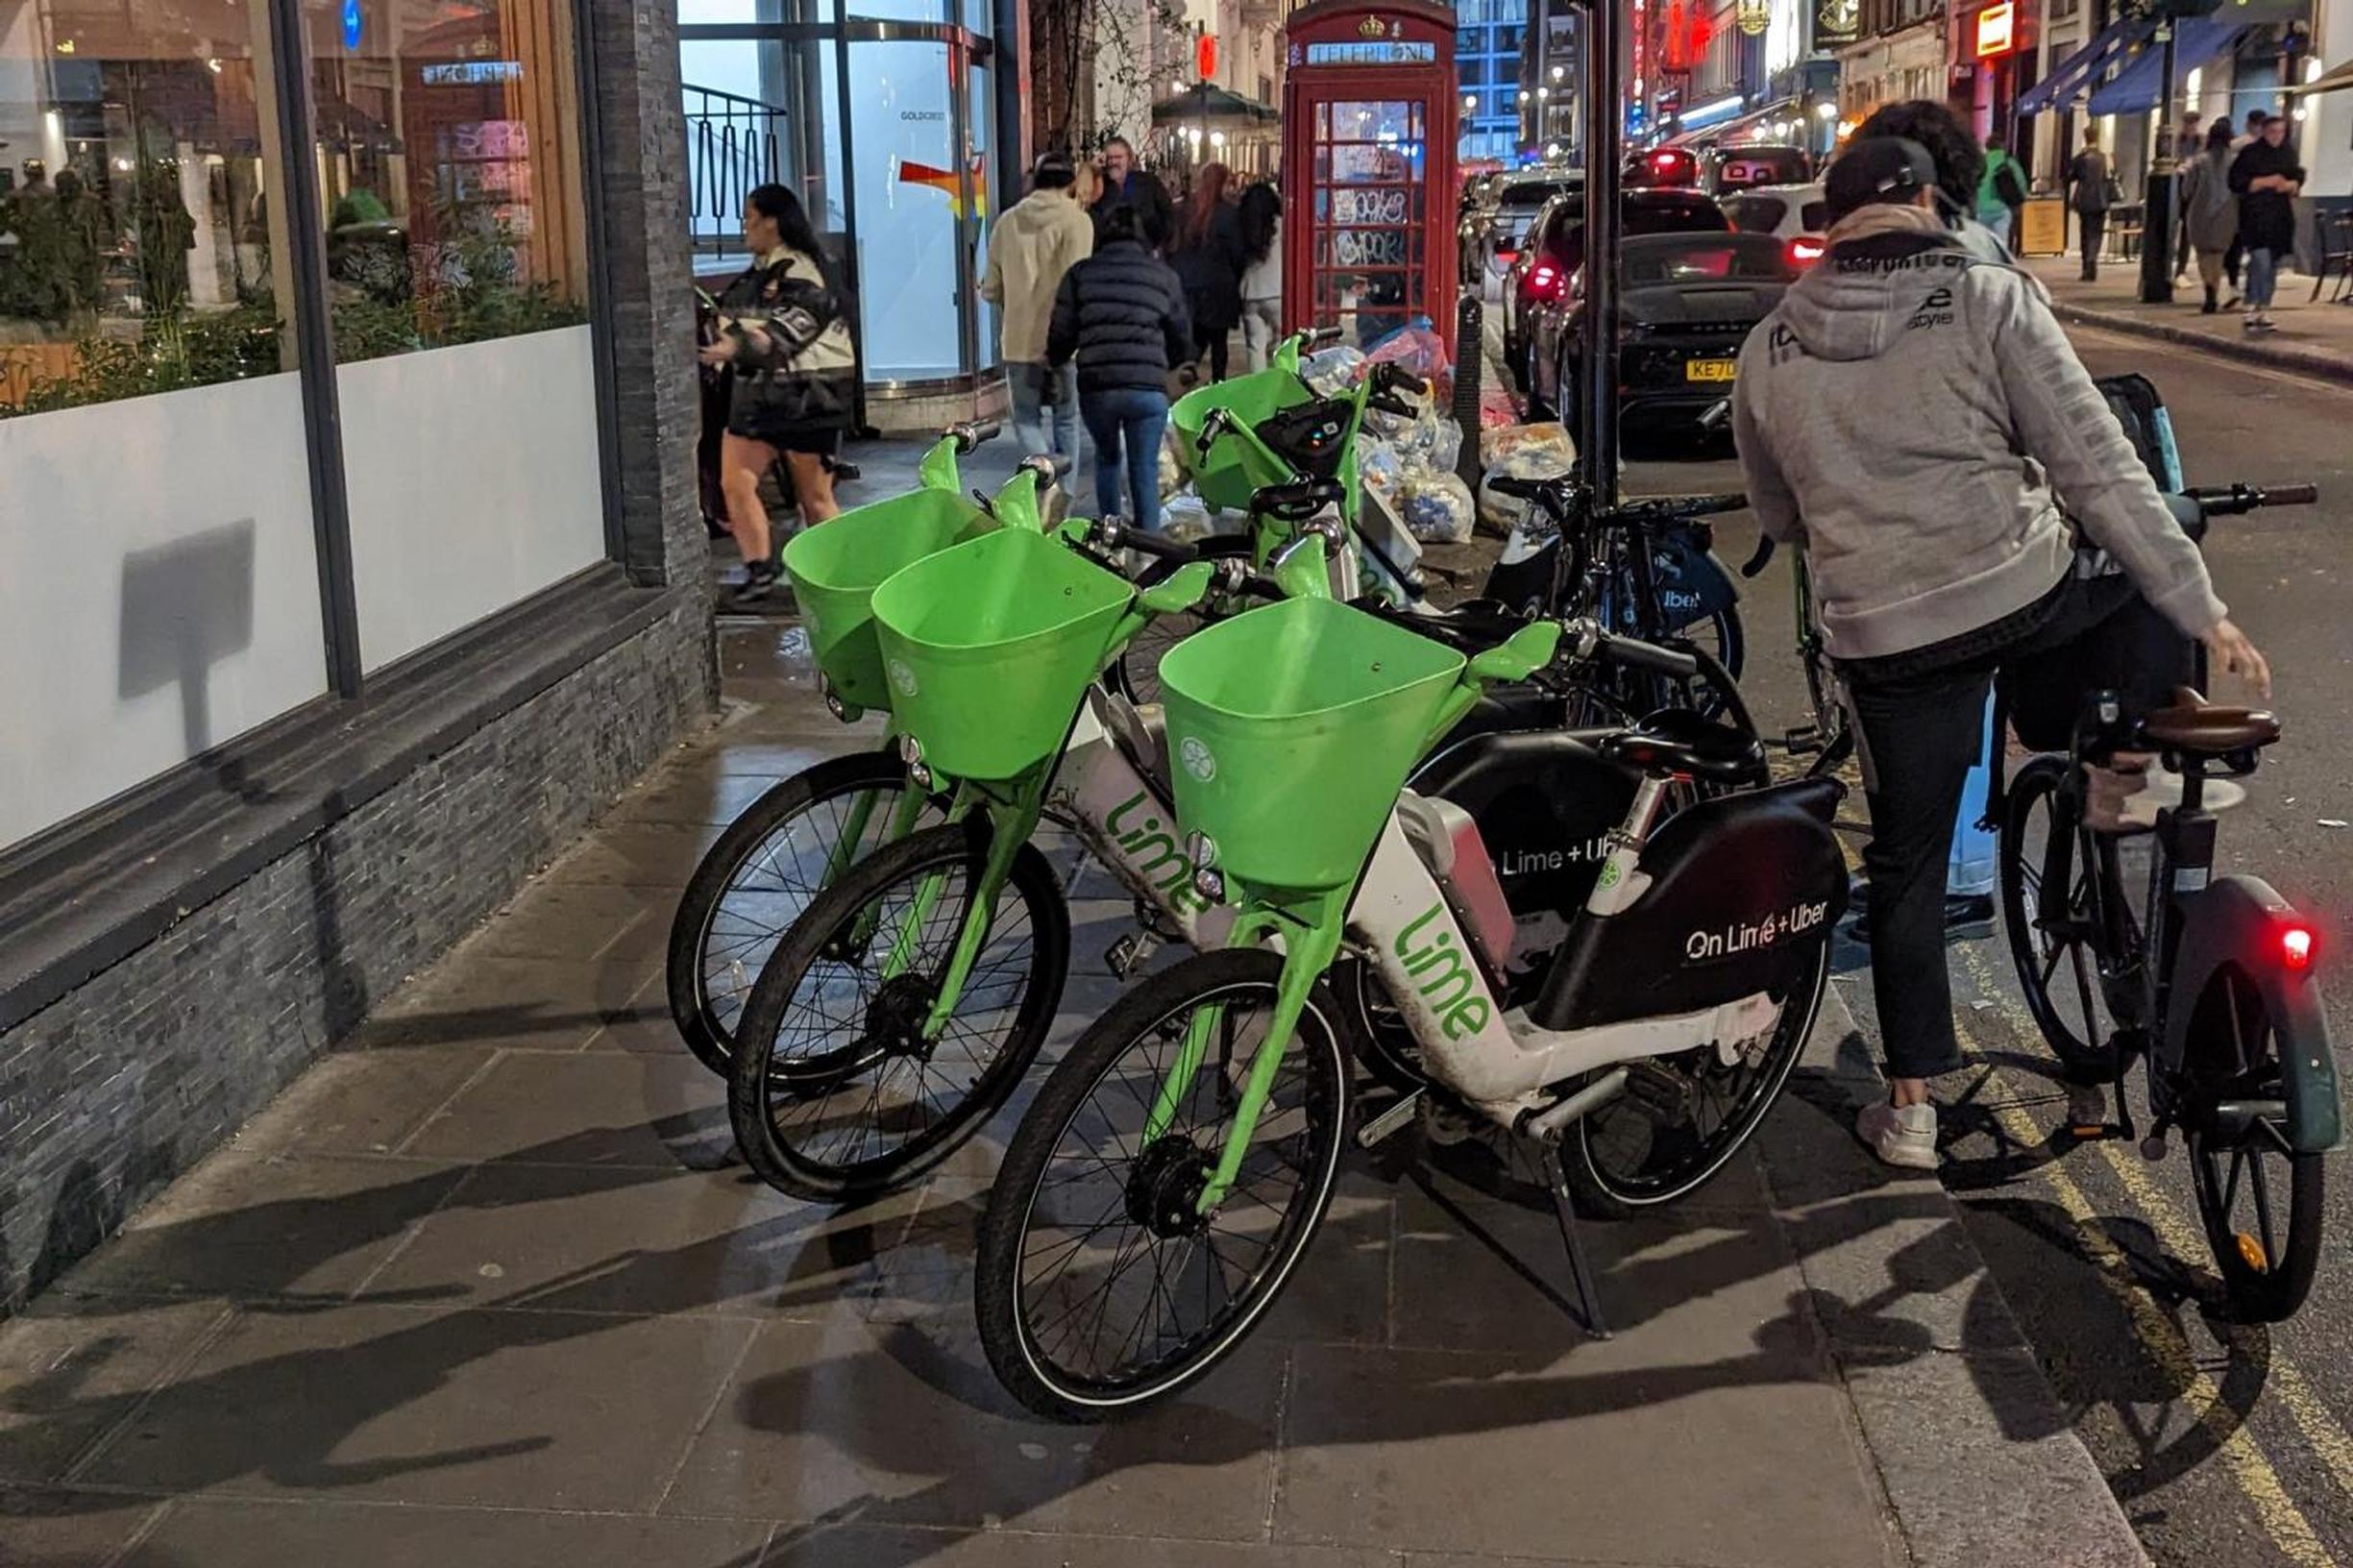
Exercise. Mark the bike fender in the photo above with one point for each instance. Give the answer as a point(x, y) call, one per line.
point(1692, 580)
point(2237, 920)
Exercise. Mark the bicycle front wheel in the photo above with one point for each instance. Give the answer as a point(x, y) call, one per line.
point(838, 1092)
point(759, 877)
point(2260, 1201)
point(1101, 1287)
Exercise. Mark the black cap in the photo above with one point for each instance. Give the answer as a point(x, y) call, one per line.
point(1052, 163)
point(1877, 169)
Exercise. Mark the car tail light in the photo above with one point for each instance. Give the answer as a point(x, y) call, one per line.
point(1662, 161)
point(1546, 281)
point(1805, 249)
point(2295, 946)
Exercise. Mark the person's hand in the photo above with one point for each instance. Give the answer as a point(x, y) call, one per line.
point(717, 355)
point(2227, 648)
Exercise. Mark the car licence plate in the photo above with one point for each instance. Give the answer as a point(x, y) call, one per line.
point(1708, 369)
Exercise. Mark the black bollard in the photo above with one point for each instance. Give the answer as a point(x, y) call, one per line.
point(1470, 361)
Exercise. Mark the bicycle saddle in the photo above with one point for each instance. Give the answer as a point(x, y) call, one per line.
point(2196, 725)
point(1677, 741)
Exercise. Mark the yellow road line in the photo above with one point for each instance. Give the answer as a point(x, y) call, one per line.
point(2186, 1239)
point(2250, 1467)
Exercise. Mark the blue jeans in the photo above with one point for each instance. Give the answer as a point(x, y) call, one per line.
point(1127, 421)
point(2262, 276)
point(1037, 429)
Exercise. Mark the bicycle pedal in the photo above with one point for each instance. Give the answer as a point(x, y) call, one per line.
point(1389, 1120)
point(1130, 953)
point(1804, 742)
point(2097, 1131)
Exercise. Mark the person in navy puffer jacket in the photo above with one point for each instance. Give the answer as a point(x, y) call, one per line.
point(1121, 312)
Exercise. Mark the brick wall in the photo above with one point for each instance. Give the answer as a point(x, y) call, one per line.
point(108, 1093)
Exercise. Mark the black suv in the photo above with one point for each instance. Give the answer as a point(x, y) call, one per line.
point(1539, 291)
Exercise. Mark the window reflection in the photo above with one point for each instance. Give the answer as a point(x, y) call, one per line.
point(449, 167)
point(137, 240)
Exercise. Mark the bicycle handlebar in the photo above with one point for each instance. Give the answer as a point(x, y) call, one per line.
point(1641, 655)
point(2230, 500)
point(972, 433)
point(1756, 563)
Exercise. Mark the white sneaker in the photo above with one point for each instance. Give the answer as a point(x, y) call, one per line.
point(1899, 1136)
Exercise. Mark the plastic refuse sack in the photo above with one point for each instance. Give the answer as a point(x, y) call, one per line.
point(1171, 466)
point(1418, 346)
point(1379, 466)
point(1446, 446)
point(1437, 510)
point(1330, 372)
point(1500, 442)
point(1187, 520)
point(1535, 461)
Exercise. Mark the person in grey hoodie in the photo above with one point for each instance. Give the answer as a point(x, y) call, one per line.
point(1914, 416)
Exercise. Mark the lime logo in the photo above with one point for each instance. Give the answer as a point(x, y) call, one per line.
point(1195, 754)
point(902, 678)
point(1443, 976)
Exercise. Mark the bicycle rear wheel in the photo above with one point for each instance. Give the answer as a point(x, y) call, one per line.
point(835, 1093)
point(2050, 907)
point(1100, 1287)
point(759, 877)
point(2260, 1201)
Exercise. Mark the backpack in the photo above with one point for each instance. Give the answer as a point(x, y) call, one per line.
point(2007, 187)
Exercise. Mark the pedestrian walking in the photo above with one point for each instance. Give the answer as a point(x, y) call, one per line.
point(2209, 210)
point(784, 330)
point(1128, 184)
point(2234, 261)
point(1121, 314)
point(1209, 257)
point(1939, 538)
point(2001, 192)
point(2087, 181)
point(1261, 224)
point(2267, 178)
point(2193, 140)
point(1041, 237)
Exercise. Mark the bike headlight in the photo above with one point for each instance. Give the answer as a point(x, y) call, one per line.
point(911, 752)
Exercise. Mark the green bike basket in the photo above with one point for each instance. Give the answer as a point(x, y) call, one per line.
point(1291, 728)
point(836, 567)
point(989, 649)
point(1234, 469)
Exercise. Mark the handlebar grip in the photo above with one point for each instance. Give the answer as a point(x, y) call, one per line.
point(2292, 494)
point(1516, 487)
point(1322, 337)
point(1390, 377)
point(1397, 407)
point(1729, 501)
point(1756, 563)
point(1640, 655)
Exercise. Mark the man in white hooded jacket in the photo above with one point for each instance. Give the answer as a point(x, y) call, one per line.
point(1912, 413)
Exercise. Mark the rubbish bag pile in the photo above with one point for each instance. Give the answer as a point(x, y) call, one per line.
point(1524, 452)
point(1408, 462)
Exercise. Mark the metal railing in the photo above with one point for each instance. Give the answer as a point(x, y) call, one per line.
point(733, 143)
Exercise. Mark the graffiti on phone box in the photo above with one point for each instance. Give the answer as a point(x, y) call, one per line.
point(1753, 934)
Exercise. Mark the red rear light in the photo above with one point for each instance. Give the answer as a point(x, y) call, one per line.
point(2296, 945)
point(1546, 280)
point(1805, 249)
point(1662, 161)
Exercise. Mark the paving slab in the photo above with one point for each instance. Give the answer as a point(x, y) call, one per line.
point(585, 1108)
point(211, 1533)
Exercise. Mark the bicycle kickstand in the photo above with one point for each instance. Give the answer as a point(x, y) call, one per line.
point(1588, 1298)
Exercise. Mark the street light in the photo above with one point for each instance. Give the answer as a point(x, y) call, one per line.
point(1558, 71)
point(1826, 109)
point(2157, 197)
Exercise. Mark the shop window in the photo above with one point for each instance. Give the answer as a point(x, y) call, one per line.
point(160, 595)
point(448, 155)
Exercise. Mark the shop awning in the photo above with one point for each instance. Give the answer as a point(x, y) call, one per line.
point(1204, 103)
point(1744, 129)
point(2336, 77)
point(2139, 86)
point(2068, 77)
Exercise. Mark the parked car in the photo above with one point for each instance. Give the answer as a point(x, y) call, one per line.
point(1742, 168)
point(1555, 253)
point(1504, 229)
point(1687, 303)
point(1718, 170)
point(1797, 215)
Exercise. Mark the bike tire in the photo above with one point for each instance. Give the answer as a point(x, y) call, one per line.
point(1009, 1337)
point(706, 1015)
point(768, 1096)
point(1604, 1190)
point(1135, 673)
point(2024, 866)
point(2234, 1051)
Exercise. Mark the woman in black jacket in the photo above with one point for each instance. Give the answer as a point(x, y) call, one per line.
point(2266, 176)
point(785, 333)
point(1121, 312)
point(1210, 259)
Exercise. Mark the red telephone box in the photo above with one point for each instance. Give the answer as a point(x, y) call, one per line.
point(1368, 167)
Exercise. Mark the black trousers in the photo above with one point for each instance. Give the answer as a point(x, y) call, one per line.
point(1921, 722)
point(2092, 225)
point(1212, 341)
